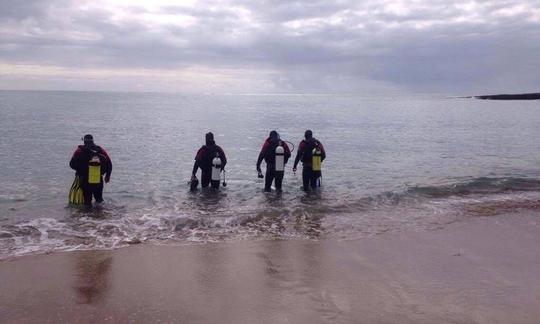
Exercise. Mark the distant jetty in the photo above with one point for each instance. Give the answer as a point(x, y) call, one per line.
point(521, 96)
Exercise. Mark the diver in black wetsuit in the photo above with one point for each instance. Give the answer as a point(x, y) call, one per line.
point(307, 149)
point(268, 153)
point(204, 158)
point(91, 162)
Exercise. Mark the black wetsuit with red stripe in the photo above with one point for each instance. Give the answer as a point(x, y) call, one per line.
point(310, 178)
point(203, 160)
point(79, 162)
point(268, 153)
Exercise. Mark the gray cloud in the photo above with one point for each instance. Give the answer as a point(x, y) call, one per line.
point(18, 10)
point(306, 45)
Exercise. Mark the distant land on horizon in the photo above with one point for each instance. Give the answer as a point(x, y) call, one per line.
point(519, 96)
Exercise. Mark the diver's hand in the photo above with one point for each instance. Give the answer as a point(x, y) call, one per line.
point(107, 178)
point(193, 177)
point(294, 170)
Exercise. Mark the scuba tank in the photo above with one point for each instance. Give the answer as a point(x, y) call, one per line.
point(316, 159)
point(280, 158)
point(94, 170)
point(216, 171)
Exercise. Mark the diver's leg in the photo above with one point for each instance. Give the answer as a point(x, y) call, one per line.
point(279, 180)
point(306, 175)
point(206, 176)
point(87, 194)
point(214, 184)
point(98, 192)
point(269, 177)
point(313, 179)
point(318, 178)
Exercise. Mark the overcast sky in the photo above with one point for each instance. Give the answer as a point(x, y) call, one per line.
point(252, 46)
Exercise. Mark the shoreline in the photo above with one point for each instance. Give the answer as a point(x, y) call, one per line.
point(483, 270)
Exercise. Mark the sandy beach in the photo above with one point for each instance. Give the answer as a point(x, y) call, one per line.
point(483, 270)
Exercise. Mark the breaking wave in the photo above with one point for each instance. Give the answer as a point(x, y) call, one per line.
point(481, 185)
point(207, 219)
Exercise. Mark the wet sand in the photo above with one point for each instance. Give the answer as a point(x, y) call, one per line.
point(483, 270)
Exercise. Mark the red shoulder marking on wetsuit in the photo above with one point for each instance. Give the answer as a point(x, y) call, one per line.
point(200, 153)
point(265, 146)
point(301, 146)
point(222, 153)
point(286, 147)
point(77, 151)
point(102, 151)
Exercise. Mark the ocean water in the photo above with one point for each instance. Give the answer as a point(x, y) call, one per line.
point(394, 163)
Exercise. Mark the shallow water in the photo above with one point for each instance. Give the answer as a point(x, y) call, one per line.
point(395, 162)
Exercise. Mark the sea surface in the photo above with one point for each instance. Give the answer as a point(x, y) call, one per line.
point(395, 162)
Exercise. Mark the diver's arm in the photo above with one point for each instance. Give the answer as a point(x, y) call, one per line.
point(74, 162)
point(298, 154)
point(198, 158)
point(195, 168)
point(222, 157)
point(323, 152)
point(287, 152)
point(261, 155)
point(108, 164)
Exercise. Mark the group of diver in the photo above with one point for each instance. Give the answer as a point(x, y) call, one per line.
point(93, 166)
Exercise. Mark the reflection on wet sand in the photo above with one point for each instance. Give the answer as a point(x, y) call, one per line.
point(451, 276)
point(92, 276)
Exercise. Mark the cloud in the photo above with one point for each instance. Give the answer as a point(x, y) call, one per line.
point(18, 10)
point(294, 46)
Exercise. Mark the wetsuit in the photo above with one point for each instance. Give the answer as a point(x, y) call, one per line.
point(203, 160)
point(79, 163)
point(268, 153)
point(310, 178)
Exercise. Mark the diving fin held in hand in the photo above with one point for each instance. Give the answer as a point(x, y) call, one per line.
point(76, 196)
point(193, 183)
